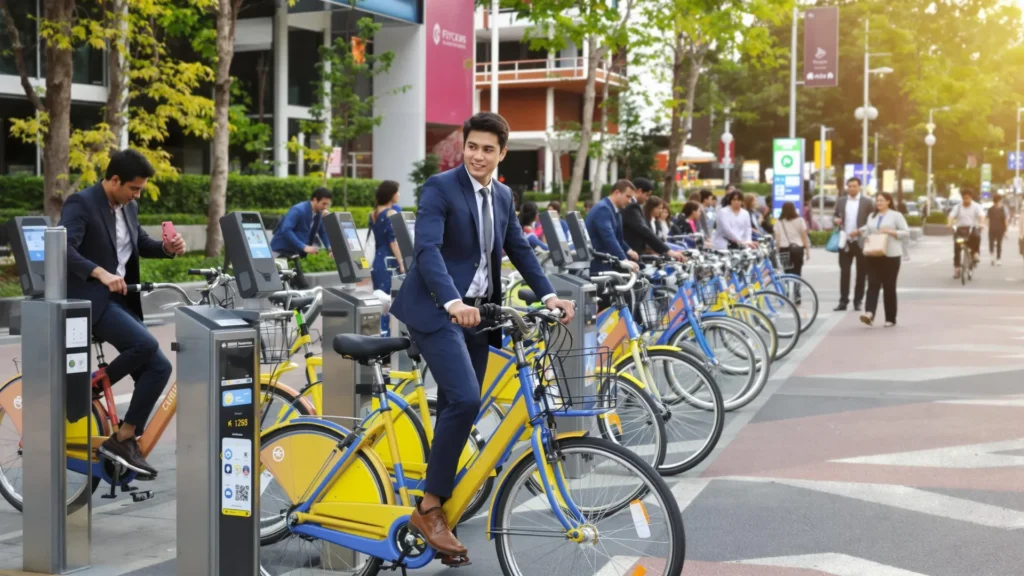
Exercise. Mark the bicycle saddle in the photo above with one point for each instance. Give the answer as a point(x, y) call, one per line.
point(527, 296)
point(296, 303)
point(365, 348)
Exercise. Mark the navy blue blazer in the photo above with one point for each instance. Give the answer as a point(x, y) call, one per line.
point(447, 250)
point(295, 231)
point(92, 242)
point(604, 225)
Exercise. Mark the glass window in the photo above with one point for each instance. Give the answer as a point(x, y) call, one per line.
point(23, 13)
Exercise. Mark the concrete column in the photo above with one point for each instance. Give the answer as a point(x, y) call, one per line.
point(476, 101)
point(549, 156)
point(401, 138)
point(328, 40)
point(300, 157)
point(495, 40)
point(614, 177)
point(280, 138)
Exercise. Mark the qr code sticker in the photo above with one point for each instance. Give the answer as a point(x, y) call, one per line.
point(241, 493)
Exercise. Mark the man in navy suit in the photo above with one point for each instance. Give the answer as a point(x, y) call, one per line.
point(105, 243)
point(465, 221)
point(604, 225)
point(297, 232)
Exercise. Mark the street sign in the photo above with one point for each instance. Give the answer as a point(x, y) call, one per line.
point(867, 179)
point(986, 181)
point(726, 158)
point(821, 47)
point(817, 154)
point(1014, 162)
point(787, 173)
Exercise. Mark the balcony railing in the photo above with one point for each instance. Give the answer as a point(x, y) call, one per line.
point(548, 69)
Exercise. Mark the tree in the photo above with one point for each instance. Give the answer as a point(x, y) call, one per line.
point(563, 138)
point(634, 147)
point(591, 24)
point(340, 111)
point(422, 170)
point(690, 30)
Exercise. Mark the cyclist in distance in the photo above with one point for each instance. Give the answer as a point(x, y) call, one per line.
point(965, 215)
point(105, 243)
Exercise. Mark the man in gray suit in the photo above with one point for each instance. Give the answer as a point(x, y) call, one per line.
point(851, 214)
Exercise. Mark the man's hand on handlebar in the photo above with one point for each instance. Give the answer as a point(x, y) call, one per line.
point(567, 307)
point(464, 315)
point(632, 255)
point(676, 255)
point(113, 282)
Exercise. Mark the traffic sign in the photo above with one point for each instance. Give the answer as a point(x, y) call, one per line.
point(1014, 162)
point(787, 173)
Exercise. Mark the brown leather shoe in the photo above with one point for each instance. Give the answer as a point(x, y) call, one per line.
point(433, 527)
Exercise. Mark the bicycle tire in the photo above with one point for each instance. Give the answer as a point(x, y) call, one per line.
point(271, 537)
point(287, 398)
point(654, 486)
point(804, 288)
point(788, 339)
point(756, 318)
point(763, 364)
point(7, 485)
point(652, 419)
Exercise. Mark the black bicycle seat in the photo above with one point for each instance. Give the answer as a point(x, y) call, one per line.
point(363, 349)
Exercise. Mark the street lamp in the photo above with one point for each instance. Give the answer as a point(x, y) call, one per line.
point(868, 112)
point(929, 141)
point(726, 156)
point(1016, 161)
point(821, 173)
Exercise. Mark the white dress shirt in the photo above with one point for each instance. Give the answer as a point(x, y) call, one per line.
point(124, 240)
point(852, 211)
point(481, 280)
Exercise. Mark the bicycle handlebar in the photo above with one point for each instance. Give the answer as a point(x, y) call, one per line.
point(629, 279)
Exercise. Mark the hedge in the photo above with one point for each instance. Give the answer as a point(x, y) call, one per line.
point(914, 221)
point(188, 194)
point(938, 217)
point(819, 237)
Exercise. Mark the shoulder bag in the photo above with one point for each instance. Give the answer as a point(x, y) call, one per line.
point(794, 250)
point(877, 243)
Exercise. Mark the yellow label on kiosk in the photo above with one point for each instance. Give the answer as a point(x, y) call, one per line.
point(363, 263)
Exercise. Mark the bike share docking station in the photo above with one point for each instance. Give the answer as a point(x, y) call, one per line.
point(219, 467)
point(404, 225)
point(579, 368)
point(52, 412)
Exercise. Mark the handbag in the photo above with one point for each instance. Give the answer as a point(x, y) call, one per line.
point(793, 251)
point(833, 241)
point(877, 244)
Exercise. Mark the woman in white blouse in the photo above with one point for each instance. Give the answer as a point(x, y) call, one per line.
point(883, 269)
point(732, 224)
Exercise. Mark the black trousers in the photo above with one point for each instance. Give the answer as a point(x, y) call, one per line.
point(853, 252)
point(995, 242)
point(973, 242)
point(882, 274)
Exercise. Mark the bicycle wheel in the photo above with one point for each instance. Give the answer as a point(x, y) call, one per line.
point(635, 423)
point(784, 316)
point(693, 419)
point(725, 336)
point(645, 536)
point(317, 449)
point(761, 323)
point(803, 295)
point(11, 480)
point(279, 405)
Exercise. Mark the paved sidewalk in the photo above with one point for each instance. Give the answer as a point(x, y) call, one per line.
point(876, 452)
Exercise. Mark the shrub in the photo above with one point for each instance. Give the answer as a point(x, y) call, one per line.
point(914, 221)
point(938, 217)
point(820, 237)
point(21, 193)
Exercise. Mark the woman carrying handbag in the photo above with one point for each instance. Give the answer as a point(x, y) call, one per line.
point(792, 240)
point(883, 250)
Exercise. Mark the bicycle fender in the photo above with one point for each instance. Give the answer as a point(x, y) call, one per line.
point(496, 495)
point(629, 358)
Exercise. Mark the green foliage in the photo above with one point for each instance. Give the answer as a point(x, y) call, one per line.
point(914, 221)
point(422, 170)
point(938, 217)
point(250, 134)
point(819, 237)
point(21, 192)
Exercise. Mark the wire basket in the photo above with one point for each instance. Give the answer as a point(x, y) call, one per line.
point(576, 382)
point(277, 336)
point(707, 292)
point(781, 260)
point(652, 314)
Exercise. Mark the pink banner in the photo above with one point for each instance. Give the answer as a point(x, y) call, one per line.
point(449, 61)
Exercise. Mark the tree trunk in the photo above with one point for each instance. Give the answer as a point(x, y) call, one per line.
point(899, 173)
point(675, 138)
point(576, 185)
point(680, 137)
point(227, 14)
point(56, 148)
point(117, 64)
point(598, 183)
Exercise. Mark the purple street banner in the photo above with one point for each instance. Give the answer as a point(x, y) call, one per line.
point(821, 47)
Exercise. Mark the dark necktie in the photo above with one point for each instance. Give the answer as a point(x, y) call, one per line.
point(313, 229)
point(488, 226)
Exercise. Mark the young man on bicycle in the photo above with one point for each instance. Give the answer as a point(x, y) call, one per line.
point(466, 220)
point(105, 243)
point(965, 216)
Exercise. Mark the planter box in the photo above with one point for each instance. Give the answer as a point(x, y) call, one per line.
point(937, 230)
point(916, 233)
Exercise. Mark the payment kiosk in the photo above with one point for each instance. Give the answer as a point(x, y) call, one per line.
point(348, 309)
point(27, 245)
point(404, 225)
point(217, 356)
point(54, 404)
point(583, 327)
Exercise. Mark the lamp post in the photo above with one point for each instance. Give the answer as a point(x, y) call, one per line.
point(821, 173)
point(1016, 160)
point(929, 141)
point(726, 156)
point(868, 112)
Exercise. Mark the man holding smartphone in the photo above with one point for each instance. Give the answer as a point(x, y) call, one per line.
point(105, 243)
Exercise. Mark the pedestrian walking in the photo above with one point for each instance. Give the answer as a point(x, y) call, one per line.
point(850, 215)
point(998, 224)
point(793, 240)
point(883, 252)
point(386, 245)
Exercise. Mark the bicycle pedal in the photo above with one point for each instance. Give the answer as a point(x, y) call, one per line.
point(455, 561)
point(142, 495)
point(128, 488)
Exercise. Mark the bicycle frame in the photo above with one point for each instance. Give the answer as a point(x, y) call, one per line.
point(373, 528)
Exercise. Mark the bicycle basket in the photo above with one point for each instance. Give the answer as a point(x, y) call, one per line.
point(563, 391)
point(277, 336)
point(707, 291)
point(782, 261)
point(652, 314)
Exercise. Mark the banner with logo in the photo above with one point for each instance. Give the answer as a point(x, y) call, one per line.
point(787, 173)
point(821, 47)
point(449, 61)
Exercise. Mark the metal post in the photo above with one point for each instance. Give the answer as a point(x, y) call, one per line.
point(928, 182)
point(821, 174)
point(1016, 166)
point(867, 57)
point(876, 154)
point(55, 397)
point(792, 77)
point(727, 156)
point(495, 41)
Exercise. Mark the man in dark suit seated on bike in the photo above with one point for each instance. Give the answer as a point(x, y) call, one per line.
point(105, 243)
point(465, 221)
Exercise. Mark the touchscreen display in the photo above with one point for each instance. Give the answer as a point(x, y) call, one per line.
point(34, 242)
point(256, 238)
point(351, 237)
point(558, 230)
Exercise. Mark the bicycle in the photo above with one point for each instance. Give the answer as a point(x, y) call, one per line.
point(967, 260)
point(339, 489)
